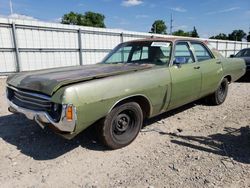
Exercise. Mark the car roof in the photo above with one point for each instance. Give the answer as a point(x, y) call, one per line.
point(168, 39)
point(245, 49)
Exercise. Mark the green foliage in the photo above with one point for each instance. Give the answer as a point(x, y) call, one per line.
point(159, 27)
point(194, 33)
point(181, 33)
point(248, 37)
point(221, 36)
point(71, 18)
point(91, 19)
point(236, 35)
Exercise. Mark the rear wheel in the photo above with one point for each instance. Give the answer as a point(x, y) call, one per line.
point(219, 96)
point(122, 125)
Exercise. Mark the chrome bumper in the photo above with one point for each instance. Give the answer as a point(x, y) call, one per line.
point(43, 118)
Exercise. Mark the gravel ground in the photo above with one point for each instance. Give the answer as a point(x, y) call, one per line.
point(193, 146)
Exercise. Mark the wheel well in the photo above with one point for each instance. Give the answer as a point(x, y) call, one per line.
point(229, 78)
point(142, 101)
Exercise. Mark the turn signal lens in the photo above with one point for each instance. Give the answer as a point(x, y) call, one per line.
point(69, 113)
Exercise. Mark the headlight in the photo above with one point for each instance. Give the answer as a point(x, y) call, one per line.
point(55, 111)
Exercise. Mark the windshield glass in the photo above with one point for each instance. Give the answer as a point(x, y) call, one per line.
point(149, 52)
point(243, 53)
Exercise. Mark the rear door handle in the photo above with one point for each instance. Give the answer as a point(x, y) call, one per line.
point(218, 62)
point(198, 67)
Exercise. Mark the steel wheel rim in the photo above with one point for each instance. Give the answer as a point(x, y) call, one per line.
point(124, 126)
point(222, 91)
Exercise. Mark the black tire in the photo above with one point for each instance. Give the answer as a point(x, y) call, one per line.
point(219, 96)
point(121, 126)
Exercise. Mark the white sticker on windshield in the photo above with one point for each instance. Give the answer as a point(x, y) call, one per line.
point(160, 44)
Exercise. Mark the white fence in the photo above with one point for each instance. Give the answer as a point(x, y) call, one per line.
point(30, 45)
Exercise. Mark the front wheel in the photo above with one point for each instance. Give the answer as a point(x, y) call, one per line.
point(219, 96)
point(121, 126)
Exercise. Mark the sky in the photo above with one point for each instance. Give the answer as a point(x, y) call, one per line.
point(210, 17)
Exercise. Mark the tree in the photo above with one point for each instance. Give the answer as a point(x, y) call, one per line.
point(71, 18)
point(91, 19)
point(237, 35)
point(94, 19)
point(248, 37)
point(221, 36)
point(159, 27)
point(181, 33)
point(194, 33)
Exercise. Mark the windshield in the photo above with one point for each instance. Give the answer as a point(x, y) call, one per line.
point(243, 53)
point(148, 52)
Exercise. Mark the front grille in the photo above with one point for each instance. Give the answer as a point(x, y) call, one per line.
point(29, 100)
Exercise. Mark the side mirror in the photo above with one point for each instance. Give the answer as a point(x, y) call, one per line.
point(179, 60)
point(231, 56)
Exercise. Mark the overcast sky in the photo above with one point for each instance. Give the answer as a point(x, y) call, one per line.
point(210, 17)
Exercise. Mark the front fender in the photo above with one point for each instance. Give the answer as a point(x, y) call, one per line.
point(94, 99)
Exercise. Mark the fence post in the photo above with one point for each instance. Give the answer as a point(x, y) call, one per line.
point(234, 47)
point(16, 47)
point(80, 46)
point(121, 38)
point(217, 45)
point(226, 49)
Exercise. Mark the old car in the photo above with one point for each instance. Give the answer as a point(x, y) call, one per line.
point(137, 80)
point(244, 54)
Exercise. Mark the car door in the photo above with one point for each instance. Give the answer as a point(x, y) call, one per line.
point(211, 68)
point(185, 74)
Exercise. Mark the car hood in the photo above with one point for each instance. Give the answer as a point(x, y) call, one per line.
point(49, 80)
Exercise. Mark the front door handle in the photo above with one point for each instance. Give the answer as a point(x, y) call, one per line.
point(218, 62)
point(198, 67)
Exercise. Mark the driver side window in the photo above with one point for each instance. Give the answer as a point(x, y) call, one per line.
point(183, 54)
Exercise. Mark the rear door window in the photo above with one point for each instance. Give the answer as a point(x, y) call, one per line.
point(201, 52)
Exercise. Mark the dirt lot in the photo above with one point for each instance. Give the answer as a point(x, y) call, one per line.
point(194, 146)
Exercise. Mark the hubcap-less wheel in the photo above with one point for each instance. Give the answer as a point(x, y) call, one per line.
point(222, 91)
point(122, 122)
point(122, 125)
point(219, 96)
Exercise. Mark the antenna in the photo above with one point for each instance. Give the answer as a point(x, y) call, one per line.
point(11, 7)
point(171, 24)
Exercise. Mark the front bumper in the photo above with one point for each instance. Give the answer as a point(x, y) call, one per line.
point(43, 118)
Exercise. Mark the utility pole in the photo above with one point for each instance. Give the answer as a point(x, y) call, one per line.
point(11, 7)
point(171, 24)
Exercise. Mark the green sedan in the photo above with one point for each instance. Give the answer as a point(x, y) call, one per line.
point(136, 80)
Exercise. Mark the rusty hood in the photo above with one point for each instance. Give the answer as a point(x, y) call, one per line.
point(50, 80)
